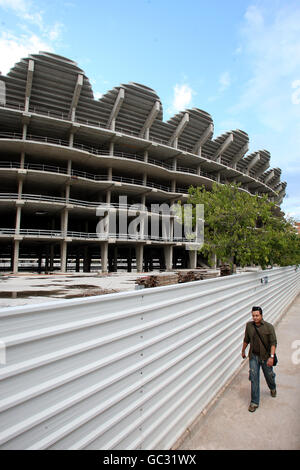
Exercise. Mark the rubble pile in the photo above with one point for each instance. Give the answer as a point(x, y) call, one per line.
point(158, 280)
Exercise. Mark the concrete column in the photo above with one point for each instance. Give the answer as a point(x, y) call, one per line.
point(67, 192)
point(63, 256)
point(16, 256)
point(139, 250)
point(74, 128)
point(22, 160)
point(109, 174)
point(20, 188)
point(111, 148)
point(64, 221)
point(142, 225)
point(24, 131)
point(174, 163)
point(145, 179)
point(18, 219)
point(69, 169)
point(104, 257)
point(108, 196)
point(71, 139)
point(199, 170)
point(192, 259)
point(168, 252)
point(173, 186)
point(146, 156)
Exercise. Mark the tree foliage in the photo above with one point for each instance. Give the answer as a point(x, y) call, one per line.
point(245, 229)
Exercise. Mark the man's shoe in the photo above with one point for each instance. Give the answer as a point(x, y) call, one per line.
point(252, 407)
point(273, 393)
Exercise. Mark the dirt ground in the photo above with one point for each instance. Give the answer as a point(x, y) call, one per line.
point(28, 288)
point(23, 289)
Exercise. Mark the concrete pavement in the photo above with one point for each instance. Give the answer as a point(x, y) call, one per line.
point(275, 425)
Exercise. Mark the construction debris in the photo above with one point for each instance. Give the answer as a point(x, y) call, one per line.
point(177, 277)
point(158, 280)
point(225, 269)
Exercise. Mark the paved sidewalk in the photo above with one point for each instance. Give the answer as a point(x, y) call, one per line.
point(276, 423)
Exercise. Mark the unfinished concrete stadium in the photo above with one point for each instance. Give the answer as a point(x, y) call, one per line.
point(64, 155)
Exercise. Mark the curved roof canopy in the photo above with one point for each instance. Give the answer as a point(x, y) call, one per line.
point(47, 82)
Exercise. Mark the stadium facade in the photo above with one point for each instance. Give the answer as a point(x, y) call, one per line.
point(64, 155)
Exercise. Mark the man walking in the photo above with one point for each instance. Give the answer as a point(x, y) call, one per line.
point(262, 338)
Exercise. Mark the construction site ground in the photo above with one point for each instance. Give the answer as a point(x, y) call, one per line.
point(28, 288)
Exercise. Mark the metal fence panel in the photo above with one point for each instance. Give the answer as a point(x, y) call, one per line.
point(129, 370)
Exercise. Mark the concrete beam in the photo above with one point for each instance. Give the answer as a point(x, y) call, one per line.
point(179, 129)
point(262, 169)
point(269, 177)
point(204, 137)
point(29, 83)
point(116, 108)
point(253, 162)
point(150, 120)
point(2, 93)
point(76, 95)
point(275, 182)
point(227, 142)
point(240, 154)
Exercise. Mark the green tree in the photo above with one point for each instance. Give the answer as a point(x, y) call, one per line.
point(245, 229)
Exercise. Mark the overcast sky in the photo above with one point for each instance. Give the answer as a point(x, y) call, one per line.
point(239, 60)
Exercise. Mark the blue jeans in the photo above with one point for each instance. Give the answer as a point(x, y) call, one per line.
point(254, 370)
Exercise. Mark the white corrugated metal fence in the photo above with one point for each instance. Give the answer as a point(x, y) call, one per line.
point(129, 370)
